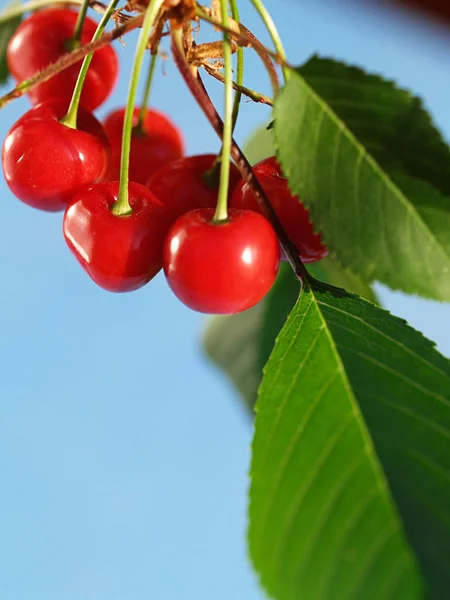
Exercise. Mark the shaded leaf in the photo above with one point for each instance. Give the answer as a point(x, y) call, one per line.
point(260, 145)
point(330, 271)
point(351, 470)
point(232, 343)
point(386, 224)
point(241, 344)
point(7, 29)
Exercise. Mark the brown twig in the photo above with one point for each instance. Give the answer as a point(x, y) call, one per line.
point(252, 94)
point(245, 37)
point(200, 94)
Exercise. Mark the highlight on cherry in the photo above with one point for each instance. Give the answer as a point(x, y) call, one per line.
point(133, 201)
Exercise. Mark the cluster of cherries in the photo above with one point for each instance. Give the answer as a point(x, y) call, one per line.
point(220, 267)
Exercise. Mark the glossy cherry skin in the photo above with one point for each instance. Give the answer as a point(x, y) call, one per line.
point(181, 187)
point(159, 143)
point(120, 253)
point(45, 162)
point(41, 39)
point(293, 215)
point(221, 268)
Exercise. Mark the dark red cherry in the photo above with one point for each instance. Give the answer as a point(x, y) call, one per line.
point(180, 185)
point(221, 268)
point(120, 253)
point(41, 39)
point(45, 162)
point(293, 215)
point(159, 143)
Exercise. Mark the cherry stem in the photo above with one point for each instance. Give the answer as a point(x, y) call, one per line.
point(273, 32)
point(70, 120)
point(122, 206)
point(147, 89)
point(221, 213)
point(239, 69)
point(245, 91)
point(75, 42)
point(211, 175)
point(69, 59)
point(199, 92)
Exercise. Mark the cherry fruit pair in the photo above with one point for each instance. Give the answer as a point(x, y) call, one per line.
point(221, 267)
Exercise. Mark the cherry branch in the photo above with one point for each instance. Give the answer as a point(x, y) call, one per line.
point(67, 60)
point(200, 94)
point(252, 94)
point(246, 38)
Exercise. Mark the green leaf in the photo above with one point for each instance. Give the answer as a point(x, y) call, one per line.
point(240, 345)
point(7, 29)
point(351, 469)
point(367, 159)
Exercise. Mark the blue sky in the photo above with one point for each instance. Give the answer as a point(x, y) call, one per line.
point(123, 453)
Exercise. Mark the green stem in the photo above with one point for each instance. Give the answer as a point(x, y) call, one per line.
point(147, 90)
point(21, 9)
point(122, 206)
point(70, 120)
point(239, 67)
point(221, 213)
point(211, 177)
point(75, 42)
point(273, 31)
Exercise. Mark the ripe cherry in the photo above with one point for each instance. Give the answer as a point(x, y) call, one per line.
point(158, 143)
point(221, 268)
point(46, 162)
point(120, 253)
point(293, 215)
point(180, 185)
point(43, 38)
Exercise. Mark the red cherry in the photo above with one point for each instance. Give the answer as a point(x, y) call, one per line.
point(120, 253)
point(293, 215)
point(160, 143)
point(221, 268)
point(46, 162)
point(181, 187)
point(43, 38)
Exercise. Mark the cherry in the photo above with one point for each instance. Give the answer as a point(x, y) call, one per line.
point(181, 187)
point(43, 38)
point(293, 215)
point(221, 268)
point(46, 162)
point(159, 143)
point(120, 253)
